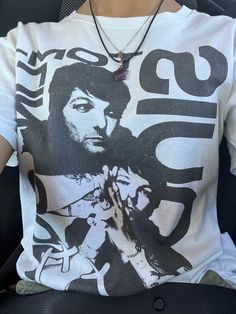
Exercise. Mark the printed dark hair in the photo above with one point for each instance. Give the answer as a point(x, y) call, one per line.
point(90, 79)
point(58, 142)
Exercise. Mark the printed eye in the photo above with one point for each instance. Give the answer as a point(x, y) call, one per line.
point(112, 114)
point(122, 182)
point(82, 107)
point(145, 191)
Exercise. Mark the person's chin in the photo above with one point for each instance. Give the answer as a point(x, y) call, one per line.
point(94, 146)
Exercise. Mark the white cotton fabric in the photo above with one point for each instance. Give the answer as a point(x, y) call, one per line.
point(182, 92)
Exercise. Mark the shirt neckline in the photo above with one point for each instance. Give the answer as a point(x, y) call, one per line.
point(131, 22)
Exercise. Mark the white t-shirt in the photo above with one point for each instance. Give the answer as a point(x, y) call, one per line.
point(118, 179)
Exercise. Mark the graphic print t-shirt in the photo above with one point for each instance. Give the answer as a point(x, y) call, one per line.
point(118, 178)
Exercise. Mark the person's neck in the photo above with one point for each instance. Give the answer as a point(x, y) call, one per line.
point(128, 8)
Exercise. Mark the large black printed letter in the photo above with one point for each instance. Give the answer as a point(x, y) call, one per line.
point(185, 72)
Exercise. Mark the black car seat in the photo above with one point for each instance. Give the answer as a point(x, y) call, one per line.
point(12, 11)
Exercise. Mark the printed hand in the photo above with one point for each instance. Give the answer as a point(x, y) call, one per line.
point(109, 194)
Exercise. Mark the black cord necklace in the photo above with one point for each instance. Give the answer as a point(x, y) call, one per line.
point(121, 73)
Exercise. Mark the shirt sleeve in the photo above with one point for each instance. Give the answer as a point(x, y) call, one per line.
point(230, 126)
point(8, 88)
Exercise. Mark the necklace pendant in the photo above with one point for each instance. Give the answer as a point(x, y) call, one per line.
point(120, 55)
point(120, 74)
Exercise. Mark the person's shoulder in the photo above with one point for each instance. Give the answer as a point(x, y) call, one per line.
point(34, 28)
point(219, 29)
point(203, 17)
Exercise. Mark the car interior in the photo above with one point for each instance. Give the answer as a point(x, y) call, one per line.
point(12, 11)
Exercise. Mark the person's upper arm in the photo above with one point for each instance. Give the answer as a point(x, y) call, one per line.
point(230, 134)
point(8, 133)
point(230, 123)
point(5, 152)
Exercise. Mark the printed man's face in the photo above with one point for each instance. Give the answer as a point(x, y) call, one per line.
point(90, 120)
point(133, 188)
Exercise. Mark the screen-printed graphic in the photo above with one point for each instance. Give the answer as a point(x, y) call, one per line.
point(99, 186)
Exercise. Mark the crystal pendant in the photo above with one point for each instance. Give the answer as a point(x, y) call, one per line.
point(120, 74)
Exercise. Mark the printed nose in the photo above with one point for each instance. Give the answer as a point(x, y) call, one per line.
point(101, 121)
point(130, 201)
point(132, 193)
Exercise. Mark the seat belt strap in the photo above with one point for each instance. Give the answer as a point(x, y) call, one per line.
point(231, 10)
point(192, 4)
point(68, 6)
